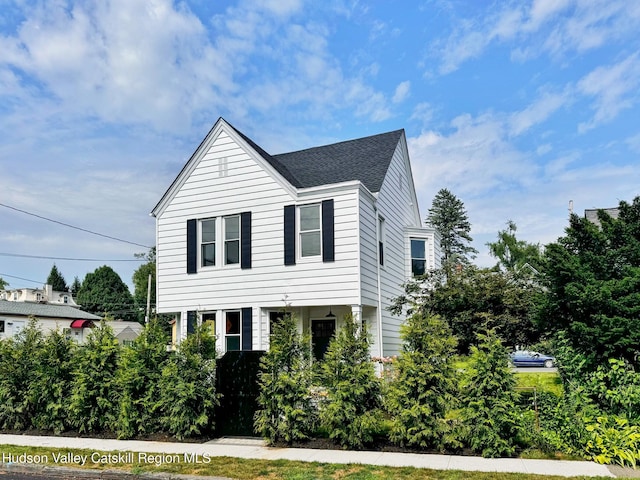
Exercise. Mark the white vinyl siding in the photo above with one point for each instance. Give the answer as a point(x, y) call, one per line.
point(248, 186)
point(395, 206)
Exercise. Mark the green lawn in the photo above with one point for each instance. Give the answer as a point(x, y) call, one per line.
point(542, 382)
point(238, 468)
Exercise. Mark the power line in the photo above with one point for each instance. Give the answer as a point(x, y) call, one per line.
point(72, 226)
point(19, 278)
point(43, 257)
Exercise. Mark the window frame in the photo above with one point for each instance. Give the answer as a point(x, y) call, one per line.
point(381, 240)
point(301, 232)
point(232, 335)
point(412, 258)
point(209, 317)
point(202, 243)
point(226, 241)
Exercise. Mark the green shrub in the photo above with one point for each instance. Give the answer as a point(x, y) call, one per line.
point(94, 396)
point(424, 385)
point(187, 389)
point(489, 400)
point(615, 387)
point(285, 411)
point(18, 370)
point(139, 374)
point(562, 426)
point(51, 388)
point(613, 441)
point(352, 411)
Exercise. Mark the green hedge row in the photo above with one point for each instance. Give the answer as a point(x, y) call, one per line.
point(52, 383)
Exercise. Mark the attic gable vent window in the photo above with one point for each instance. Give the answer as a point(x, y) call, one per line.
point(223, 167)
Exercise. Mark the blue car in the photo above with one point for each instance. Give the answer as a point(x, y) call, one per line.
point(525, 358)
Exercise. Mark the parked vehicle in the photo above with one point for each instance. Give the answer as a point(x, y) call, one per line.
point(525, 358)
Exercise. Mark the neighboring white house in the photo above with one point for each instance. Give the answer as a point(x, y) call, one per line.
point(75, 323)
point(329, 231)
point(46, 294)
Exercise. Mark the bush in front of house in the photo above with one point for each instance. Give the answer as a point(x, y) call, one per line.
point(139, 374)
point(18, 370)
point(187, 387)
point(489, 400)
point(51, 388)
point(285, 411)
point(424, 386)
point(94, 394)
point(351, 412)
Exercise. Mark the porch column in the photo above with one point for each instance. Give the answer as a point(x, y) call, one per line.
point(356, 312)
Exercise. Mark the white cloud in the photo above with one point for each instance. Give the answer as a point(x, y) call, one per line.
point(402, 92)
point(555, 27)
point(614, 87)
point(537, 112)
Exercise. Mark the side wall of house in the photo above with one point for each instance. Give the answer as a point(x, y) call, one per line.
point(395, 206)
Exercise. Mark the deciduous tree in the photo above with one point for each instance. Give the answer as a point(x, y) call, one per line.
point(514, 254)
point(103, 291)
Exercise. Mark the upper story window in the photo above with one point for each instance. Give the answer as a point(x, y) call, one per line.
point(38, 297)
point(65, 299)
point(227, 237)
point(232, 240)
point(310, 230)
point(418, 257)
point(208, 242)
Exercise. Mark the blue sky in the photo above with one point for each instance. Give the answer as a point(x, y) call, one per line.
point(517, 107)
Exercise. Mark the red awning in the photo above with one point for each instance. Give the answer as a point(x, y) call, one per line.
point(81, 324)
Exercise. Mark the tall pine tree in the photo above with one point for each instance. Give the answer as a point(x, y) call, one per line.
point(449, 217)
point(56, 280)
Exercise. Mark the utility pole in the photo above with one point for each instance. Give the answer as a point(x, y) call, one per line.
point(146, 316)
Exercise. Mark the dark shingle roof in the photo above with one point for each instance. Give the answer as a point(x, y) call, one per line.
point(44, 310)
point(366, 159)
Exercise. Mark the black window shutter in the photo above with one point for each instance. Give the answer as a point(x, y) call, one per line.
point(245, 236)
point(192, 246)
point(328, 236)
point(192, 321)
point(247, 342)
point(290, 235)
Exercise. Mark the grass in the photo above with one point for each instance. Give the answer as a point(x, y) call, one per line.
point(542, 382)
point(242, 469)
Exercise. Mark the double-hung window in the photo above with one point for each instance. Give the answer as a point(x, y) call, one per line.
point(208, 242)
point(232, 240)
point(232, 330)
point(310, 231)
point(418, 257)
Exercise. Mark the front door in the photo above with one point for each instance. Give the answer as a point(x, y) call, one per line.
point(322, 331)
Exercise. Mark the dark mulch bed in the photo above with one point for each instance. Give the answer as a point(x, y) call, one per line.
point(156, 437)
point(381, 445)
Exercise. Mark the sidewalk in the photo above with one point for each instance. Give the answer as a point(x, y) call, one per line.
point(254, 448)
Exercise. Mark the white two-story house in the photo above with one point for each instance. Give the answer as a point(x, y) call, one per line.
point(324, 232)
